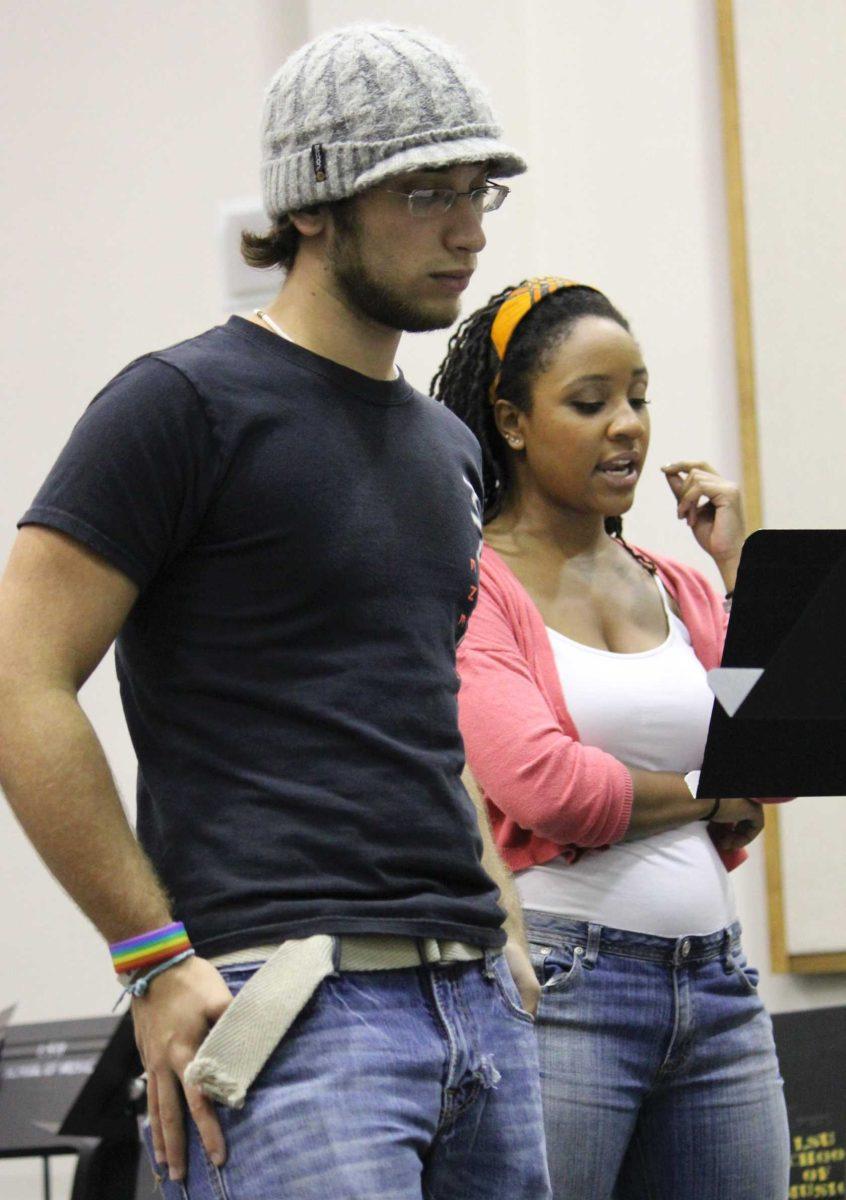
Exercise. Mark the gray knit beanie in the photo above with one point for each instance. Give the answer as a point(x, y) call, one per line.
point(365, 102)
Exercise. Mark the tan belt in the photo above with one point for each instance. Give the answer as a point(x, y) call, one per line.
point(239, 1045)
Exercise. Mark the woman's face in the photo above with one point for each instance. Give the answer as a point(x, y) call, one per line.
point(585, 439)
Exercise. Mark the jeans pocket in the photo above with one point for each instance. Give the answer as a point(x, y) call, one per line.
point(747, 976)
point(558, 967)
point(212, 1187)
point(167, 1188)
point(214, 1178)
point(509, 992)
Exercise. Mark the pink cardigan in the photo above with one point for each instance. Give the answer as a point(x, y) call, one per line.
point(546, 792)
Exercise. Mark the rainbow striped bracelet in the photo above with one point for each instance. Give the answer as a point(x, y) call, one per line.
point(149, 949)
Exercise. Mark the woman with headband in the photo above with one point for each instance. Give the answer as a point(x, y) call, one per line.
point(585, 708)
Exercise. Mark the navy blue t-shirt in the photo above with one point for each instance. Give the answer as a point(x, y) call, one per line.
point(305, 540)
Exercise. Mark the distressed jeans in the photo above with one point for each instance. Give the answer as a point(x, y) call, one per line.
point(658, 1068)
point(414, 1084)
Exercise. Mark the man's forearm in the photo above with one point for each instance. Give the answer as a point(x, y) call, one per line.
point(495, 867)
point(509, 898)
point(56, 778)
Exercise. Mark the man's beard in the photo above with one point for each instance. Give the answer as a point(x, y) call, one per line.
point(370, 297)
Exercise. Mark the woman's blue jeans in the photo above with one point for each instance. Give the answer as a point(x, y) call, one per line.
point(658, 1068)
point(390, 1085)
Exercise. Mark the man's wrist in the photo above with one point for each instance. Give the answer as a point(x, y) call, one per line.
point(140, 985)
point(139, 954)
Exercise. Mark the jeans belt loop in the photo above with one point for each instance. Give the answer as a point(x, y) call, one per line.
point(592, 949)
point(491, 959)
point(727, 954)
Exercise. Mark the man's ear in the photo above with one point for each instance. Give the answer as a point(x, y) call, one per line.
point(310, 222)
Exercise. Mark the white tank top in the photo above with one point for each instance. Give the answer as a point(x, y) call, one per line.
point(650, 710)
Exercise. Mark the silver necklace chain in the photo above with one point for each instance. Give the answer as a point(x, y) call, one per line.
point(269, 321)
point(271, 324)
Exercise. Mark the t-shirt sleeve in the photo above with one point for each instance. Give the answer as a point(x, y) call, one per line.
point(135, 476)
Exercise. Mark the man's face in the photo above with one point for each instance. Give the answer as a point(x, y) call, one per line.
point(403, 271)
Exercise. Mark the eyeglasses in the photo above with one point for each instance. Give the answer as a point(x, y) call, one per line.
point(427, 202)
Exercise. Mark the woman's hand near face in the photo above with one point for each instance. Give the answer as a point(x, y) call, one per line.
point(713, 508)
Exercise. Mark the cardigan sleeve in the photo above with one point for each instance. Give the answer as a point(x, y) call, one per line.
point(528, 767)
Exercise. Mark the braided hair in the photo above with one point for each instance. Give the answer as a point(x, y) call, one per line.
point(464, 379)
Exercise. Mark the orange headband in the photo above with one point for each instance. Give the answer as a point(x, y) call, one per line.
point(514, 308)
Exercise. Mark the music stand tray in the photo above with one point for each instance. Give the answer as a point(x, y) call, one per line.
point(778, 727)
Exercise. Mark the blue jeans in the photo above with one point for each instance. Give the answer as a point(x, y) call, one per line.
point(658, 1068)
point(390, 1085)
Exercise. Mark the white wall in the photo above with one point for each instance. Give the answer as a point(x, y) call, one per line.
point(792, 101)
point(124, 128)
point(128, 125)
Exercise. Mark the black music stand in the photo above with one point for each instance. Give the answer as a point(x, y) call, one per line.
point(779, 725)
point(106, 1110)
point(71, 1087)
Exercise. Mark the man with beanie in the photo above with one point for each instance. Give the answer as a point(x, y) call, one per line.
point(282, 536)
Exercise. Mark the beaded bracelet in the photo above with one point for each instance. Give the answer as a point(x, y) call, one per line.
point(149, 949)
point(138, 986)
